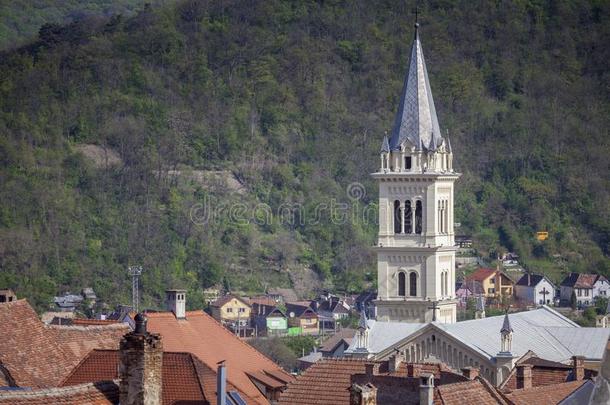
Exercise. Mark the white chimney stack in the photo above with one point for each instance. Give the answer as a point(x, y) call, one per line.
point(176, 302)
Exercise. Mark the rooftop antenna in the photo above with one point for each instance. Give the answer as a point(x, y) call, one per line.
point(135, 272)
point(416, 19)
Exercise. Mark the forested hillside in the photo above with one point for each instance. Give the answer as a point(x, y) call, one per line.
point(118, 135)
point(20, 20)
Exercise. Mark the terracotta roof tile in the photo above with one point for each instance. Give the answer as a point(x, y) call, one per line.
point(39, 356)
point(325, 382)
point(80, 340)
point(92, 322)
point(477, 391)
point(185, 377)
point(480, 274)
point(544, 395)
point(99, 393)
point(207, 339)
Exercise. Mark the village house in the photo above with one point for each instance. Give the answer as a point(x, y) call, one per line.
point(267, 318)
point(7, 295)
point(535, 289)
point(282, 295)
point(302, 319)
point(466, 290)
point(232, 311)
point(586, 287)
point(494, 283)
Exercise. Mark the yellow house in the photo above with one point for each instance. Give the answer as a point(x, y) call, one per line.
point(495, 284)
point(231, 309)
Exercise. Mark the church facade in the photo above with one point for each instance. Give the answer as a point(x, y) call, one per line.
point(416, 247)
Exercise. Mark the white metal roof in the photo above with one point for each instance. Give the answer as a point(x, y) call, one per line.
point(544, 331)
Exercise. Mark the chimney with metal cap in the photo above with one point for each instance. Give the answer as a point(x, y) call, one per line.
point(221, 383)
point(426, 389)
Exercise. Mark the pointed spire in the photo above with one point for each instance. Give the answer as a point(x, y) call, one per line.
point(449, 145)
point(416, 117)
point(433, 145)
point(385, 146)
point(506, 328)
point(362, 324)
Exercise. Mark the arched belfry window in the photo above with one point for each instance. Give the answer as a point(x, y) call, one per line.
point(418, 217)
point(408, 217)
point(397, 217)
point(413, 284)
point(402, 284)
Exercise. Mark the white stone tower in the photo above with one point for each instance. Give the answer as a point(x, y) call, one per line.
point(416, 248)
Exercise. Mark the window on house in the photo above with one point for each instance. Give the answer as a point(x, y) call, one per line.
point(229, 309)
point(491, 290)
point(492, 281)
point(579, 292)
point(586, 292)
point(402, 284)
point(408, 162)
point(242, 310)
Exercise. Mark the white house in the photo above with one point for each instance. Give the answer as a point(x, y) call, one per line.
point(601, 287)
point(585, 286)
point(535, 289)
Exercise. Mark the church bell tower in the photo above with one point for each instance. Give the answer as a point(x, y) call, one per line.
point(416, 248)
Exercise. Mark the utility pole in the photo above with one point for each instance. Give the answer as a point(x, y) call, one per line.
point(135, 272)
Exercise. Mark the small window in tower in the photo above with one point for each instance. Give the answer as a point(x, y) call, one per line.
point(407, 162)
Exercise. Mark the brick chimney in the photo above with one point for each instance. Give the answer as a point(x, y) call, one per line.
point(141, 365)
point(524, 376)
point(578, 367)
point(365, 394)
point(176, 302)
point(470, 372)
point(426, 389)
point(413, 370)
point(369, 369)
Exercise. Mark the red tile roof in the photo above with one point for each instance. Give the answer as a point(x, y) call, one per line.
point(92, 322)
point(39, 356)
point(329, 380)
point(325, 382)
point(185, 377)
point(481, 274)
point(99, 393)
point(80, 340)
point(477, 391)
point(207, 339)
point(544, 395)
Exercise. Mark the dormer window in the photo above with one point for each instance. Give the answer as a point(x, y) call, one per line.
point(407, 162)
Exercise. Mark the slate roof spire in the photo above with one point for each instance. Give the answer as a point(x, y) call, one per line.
point(506, 328)
point(385, 146)
point(416, 118)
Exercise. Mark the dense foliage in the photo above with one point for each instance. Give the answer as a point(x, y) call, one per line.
point(20, 20)
point(293, 98)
